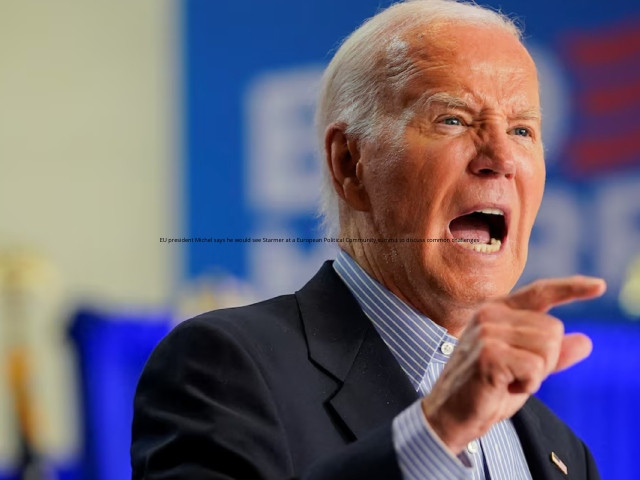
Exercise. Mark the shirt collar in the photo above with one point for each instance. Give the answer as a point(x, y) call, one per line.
point(413, 338)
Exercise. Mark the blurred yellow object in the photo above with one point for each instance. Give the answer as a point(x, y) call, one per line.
point(39, 406)
point(630, 292)
point(207, 293)
point(18, 366)
point(21, 269)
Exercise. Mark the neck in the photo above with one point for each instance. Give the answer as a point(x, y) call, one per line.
point(447, 312)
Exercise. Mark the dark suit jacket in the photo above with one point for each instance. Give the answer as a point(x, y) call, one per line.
point(299, 386)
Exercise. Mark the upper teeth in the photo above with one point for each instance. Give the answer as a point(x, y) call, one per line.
point(491, 211)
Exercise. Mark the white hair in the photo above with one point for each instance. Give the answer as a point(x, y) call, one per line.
point(372, 65)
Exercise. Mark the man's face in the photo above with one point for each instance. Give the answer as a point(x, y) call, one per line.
point(474, 147)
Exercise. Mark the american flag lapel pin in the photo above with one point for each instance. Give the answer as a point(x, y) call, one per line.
point(559, 463)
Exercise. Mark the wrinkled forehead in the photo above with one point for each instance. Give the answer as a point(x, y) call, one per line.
point(463, 59)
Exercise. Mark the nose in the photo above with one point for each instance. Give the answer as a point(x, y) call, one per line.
point(495, 156)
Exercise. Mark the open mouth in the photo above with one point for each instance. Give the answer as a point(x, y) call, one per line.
point(481, 230)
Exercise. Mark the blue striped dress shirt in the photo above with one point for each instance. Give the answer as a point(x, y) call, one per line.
point(422, 349)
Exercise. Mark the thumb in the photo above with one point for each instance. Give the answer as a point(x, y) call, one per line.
point(575, 348)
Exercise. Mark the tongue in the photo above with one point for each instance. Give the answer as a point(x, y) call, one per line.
point(470, 227)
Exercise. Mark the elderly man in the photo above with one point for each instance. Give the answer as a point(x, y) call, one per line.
point(407, 357)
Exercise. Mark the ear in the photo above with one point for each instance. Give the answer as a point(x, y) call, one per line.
point(346, 170)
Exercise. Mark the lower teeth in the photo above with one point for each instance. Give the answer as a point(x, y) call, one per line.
point(491, 247)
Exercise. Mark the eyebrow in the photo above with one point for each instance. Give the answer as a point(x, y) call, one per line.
point(530, 114)
point(424, 102)
point(447, 99)
point(451, 101)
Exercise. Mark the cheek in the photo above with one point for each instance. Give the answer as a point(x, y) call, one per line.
point(410, 187)
point(435, 164)
point(443, 174)
point(387, 186)
point(532, 190)
point(530, 193)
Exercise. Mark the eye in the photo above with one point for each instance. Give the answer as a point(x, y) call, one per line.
point(521, 131)
point(454, 121)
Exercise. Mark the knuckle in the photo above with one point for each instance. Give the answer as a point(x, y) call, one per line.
point(490, 354)
point(501, 377)
point(556, 327)
point(533, 386)
point(483, 331)
point(537, 367)
point(485, 355)
point(531, 373)
point(491, 371)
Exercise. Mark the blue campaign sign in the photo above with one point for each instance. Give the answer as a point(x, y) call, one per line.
point(252, 69)
point(251, 75)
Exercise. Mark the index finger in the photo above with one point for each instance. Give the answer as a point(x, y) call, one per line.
point(542, 295)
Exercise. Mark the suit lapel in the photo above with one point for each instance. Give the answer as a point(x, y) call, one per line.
point(375, 389)
point(372, 388)
point(537, 446)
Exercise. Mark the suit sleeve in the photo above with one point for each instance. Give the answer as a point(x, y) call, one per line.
point(203, 411)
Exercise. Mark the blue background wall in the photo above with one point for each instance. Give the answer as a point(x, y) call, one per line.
point(251, 76)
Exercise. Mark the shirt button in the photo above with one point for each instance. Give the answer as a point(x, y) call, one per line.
point(447, 348)
point(472, 447)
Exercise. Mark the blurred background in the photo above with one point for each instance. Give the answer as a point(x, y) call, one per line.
point(124, 125)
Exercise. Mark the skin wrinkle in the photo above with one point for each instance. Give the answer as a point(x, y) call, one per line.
point(447, 101)
point(361, 57)
point(412, 109)
point(416, 190)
